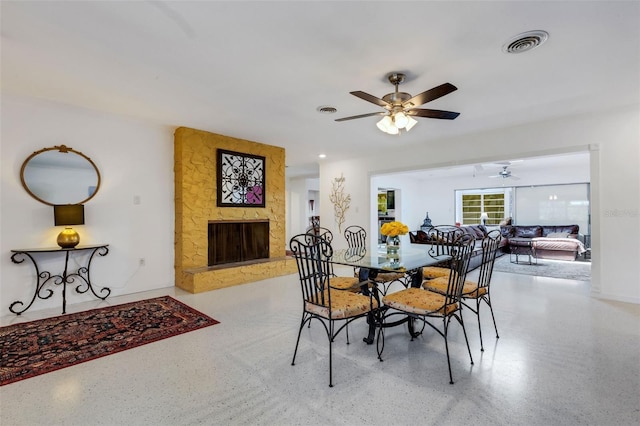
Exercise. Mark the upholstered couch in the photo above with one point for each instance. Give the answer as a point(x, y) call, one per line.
point(558, 242)
point(479, 232)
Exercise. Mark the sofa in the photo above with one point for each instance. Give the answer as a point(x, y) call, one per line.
point(557, 242)
point(479, 232)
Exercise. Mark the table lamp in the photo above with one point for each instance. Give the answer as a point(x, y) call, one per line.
point(483, 218)
point(68, 214)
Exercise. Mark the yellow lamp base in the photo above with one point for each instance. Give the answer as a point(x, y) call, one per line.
point(68, 238)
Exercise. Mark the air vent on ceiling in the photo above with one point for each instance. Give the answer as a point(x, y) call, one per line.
point(525, 41)
point(327, 109)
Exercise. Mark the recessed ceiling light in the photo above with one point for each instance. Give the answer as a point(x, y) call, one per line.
point(322, 156)
point(525, 41)
point(327, 109)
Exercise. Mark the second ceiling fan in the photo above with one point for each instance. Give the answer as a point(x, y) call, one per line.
point(401, 107)
point(505, 174)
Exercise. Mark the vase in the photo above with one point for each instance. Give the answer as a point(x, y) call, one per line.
point(393, 244)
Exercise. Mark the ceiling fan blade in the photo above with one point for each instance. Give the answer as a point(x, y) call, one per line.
point(430, 95)
point(353, 117)
point(508, 163)
point(370, 98)
point(433, 113)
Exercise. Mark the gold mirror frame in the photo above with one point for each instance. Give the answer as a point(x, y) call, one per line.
point(62, 165)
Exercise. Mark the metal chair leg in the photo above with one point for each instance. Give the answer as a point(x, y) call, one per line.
point(295, 352)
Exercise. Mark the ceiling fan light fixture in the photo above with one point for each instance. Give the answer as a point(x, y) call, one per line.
point(401, 120)
point(387, 126)
point(382, 124)
point(410, 123)
point(401, 105)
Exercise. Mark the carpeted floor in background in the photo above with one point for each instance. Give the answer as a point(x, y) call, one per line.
point(577, 270)
point(37, 347)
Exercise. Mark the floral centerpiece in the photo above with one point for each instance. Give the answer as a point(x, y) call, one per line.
point(392, 230)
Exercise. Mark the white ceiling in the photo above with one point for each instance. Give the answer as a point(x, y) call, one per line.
point(527, 168)
point(259, 70)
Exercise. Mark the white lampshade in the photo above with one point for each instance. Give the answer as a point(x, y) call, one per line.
point(401, 120)
point(382, 125)
point(387, 126)
point(410, 123)
point(484, 218)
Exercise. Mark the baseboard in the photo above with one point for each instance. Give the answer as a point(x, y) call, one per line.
point(615, 298)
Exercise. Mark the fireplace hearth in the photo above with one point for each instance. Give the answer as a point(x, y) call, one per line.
point(233, 241)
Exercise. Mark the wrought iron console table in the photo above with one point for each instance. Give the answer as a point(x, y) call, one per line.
point(44, 278)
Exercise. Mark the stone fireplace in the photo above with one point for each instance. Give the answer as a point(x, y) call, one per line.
point(196, 207)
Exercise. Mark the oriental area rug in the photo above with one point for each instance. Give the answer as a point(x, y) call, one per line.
point(37, 347)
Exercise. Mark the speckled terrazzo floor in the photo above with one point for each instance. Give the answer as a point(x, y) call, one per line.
point(563, 358)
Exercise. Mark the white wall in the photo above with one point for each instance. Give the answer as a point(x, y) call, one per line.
point(134, 158)
point(298, 190)
point(614, 142)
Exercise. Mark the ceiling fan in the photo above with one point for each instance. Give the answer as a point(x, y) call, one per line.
point(505, 174)
point(401, 107)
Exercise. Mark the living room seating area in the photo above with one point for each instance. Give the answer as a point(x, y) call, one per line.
point(555, 242)
point(479, 232)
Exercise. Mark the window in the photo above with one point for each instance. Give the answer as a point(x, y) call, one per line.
point(472, 203)
point(471, 208)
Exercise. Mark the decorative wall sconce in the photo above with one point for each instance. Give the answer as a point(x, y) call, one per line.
point(311, 203)
point(68, 214)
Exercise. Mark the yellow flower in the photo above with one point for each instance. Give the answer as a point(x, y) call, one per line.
point(393, 229)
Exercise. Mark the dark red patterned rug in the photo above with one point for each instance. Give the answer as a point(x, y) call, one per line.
point(37, 347)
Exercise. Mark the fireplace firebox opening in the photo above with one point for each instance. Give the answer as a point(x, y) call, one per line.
point(232, 241)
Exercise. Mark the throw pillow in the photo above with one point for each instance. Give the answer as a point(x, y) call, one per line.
point(558, 235)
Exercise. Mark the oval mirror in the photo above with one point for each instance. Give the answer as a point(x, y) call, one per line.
point(60, 175)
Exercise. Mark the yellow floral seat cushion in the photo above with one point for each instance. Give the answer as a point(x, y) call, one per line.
point(470, 289)
point(430, 272)
point(345, 283)
point(344, 304)
point(419, 301)
point(385, 277)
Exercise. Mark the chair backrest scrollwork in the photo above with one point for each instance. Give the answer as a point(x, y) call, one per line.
point(442, 239)
point(460, 250)
point(356, 236)
point(313, 254)
point(321, 232)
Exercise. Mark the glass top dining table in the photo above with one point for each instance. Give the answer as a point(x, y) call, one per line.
point(407, 258)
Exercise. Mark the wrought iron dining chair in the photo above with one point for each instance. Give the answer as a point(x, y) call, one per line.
point(356, 236)
point(337, 282)
point(335, 309)
point(476, 290)
point(427, 306)
point(439, 236)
